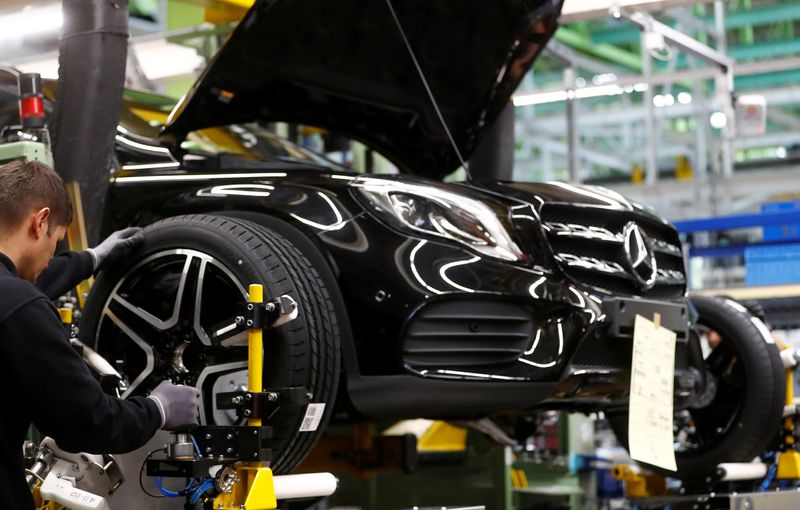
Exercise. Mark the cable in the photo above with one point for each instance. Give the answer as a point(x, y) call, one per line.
point(428, 88)
point(141, 470)
point(196, 447)
point(207, 484)
point(170, 494)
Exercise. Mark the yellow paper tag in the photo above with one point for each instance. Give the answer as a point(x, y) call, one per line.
point(650, 435)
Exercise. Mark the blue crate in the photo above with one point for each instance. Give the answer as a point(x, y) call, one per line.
point(781, 232)
point(772, 265)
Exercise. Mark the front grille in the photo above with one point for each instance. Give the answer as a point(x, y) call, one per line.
point(588, 242)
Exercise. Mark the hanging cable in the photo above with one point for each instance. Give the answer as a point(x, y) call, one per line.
point(421, 74)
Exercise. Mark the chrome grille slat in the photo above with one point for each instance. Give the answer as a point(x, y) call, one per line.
point(588, 244)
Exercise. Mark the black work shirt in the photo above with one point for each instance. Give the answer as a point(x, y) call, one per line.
point(64, 272)
point(44, 381)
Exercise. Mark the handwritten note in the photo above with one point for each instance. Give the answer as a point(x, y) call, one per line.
point(650, 419)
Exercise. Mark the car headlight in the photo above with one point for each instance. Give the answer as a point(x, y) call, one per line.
point(438, 212)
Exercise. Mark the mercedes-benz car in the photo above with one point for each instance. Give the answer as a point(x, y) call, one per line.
point(417, 297)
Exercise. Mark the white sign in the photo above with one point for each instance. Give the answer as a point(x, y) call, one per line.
point(650, 435)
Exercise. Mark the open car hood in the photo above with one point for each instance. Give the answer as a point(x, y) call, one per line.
point(342, 65)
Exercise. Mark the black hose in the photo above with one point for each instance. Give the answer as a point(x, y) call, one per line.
point(93, 51)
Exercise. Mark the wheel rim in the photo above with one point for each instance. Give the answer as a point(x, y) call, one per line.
point(704, 428)
point(159, 320)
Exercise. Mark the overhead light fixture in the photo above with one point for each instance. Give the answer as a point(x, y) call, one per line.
point(555, 96)
point(718, 120)
point(30, 22)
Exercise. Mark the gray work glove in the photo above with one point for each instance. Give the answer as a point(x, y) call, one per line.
point(116, 246)
point(179, 405)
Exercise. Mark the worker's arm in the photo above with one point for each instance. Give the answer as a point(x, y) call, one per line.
point(63, 399)
point(64, 272)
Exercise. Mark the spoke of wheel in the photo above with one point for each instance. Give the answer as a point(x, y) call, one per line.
point(148, 369)
point(198, 305)
point(149, 318)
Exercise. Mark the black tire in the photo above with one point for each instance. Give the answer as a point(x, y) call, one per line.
point(749, 402)
point(304, 352)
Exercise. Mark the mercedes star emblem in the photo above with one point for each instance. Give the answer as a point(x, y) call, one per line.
point(640, 255)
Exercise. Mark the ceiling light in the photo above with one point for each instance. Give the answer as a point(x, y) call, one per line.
point(28, 22)
point(658, 101)
point(684, 98)
point(718, 120)
point(540, 98)
point(669, 100)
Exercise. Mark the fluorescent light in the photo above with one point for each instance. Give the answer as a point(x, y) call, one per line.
point(28, 22)
point(161, 59)
point(158, 58)
point(600, 90)
point(555, 96)
point(540, 98)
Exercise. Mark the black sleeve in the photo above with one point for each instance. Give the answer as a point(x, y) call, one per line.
point(65, 401)
point(64, 272)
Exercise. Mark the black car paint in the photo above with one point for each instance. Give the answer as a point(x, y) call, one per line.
point(386, 277)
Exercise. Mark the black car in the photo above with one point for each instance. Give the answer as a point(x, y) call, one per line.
point(417, 297)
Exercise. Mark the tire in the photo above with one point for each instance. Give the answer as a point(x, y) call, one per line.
point(748, 405)
point(139, 298)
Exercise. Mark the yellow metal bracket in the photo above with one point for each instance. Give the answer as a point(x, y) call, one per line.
point(639, 485)
point(789, 458)
point(254, 488)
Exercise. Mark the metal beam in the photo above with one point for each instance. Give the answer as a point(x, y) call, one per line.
point(577, 10)
point(565, 53)
point(680, 40)
point(606, 52)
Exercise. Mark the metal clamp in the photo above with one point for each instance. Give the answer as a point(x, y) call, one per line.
point(262, 404)
point(271, 314)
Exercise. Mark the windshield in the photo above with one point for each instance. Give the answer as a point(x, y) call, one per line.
point(250, 141)
point(144, 115)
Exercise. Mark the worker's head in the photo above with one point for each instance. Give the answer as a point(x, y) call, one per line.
point(35, 211)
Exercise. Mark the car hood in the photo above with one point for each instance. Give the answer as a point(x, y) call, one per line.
point(343, 66)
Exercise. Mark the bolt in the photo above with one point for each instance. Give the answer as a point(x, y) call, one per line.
point(208, 449)
point(222, 457)
point(208, 436)
point(247, 412)
point(239, 320)
point(250, 307)
point(248, 396)
point(229, 436)
point(270, 307)
point(272, 397)
point(229, 450)
point(255, 455)
point(255, 432)
point(237, 400)
point(250, 323)
point(380, 296)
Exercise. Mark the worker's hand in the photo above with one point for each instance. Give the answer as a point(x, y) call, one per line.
point(116, 246)
point(179, 405)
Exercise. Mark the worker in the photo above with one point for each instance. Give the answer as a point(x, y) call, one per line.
point(44, 381)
